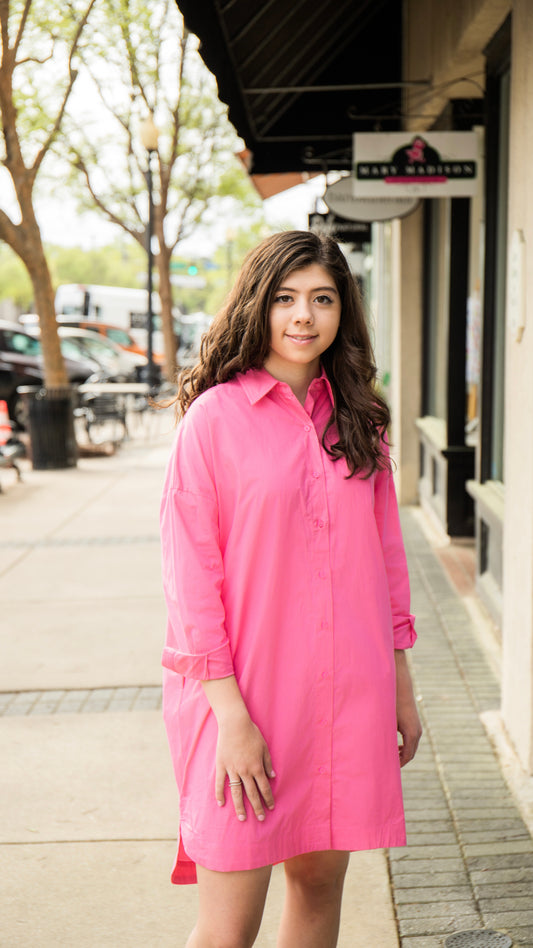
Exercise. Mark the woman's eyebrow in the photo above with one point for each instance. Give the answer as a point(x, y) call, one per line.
point(315, 289)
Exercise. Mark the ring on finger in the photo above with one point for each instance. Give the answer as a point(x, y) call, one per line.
point(235, 783)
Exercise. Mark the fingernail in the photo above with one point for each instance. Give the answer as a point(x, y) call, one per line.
point(220, 803)
point(241, 817)
point(271, 806)
point(273, 773)
point(261, 817)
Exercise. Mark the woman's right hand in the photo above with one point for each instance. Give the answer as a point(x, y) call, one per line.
point(244, 758)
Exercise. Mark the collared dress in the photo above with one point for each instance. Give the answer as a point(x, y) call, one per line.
point(280, 569)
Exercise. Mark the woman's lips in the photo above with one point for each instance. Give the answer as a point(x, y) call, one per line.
point(300, 340)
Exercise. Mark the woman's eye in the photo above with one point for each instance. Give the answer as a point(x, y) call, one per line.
point(323, 299)
point(282, 298)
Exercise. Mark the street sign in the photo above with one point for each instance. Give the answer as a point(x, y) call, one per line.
point(189, 282)
point(340, 199)
point(345, 231)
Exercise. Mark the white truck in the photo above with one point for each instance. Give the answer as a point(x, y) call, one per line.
point(116, 305)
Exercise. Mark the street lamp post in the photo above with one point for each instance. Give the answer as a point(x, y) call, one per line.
point(149, 138)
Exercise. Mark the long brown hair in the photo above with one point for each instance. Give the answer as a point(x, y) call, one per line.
point(239, 339)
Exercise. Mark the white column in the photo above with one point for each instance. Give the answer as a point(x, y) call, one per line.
point(517, 632)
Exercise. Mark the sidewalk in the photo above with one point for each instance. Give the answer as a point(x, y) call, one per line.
point(88, 796)
point(469, 862)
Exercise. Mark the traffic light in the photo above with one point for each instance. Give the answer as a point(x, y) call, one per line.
point(192, 270)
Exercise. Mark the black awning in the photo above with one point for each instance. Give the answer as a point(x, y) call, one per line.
point(300, 77)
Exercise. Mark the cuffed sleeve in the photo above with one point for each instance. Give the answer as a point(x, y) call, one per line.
point(196, 644)
point(214, 664)
point(388, 524)
point(404, 631)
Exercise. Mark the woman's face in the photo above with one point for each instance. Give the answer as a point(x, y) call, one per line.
point(304, 318)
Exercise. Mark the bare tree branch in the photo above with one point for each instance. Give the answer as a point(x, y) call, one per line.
point(11, 233)
point(22, 24)
point(100, 203)
point(33, 59)
point(136, 82)
point(165, 172)
point(72, 78)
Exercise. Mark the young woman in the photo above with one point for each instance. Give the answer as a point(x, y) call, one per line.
point(288, 602)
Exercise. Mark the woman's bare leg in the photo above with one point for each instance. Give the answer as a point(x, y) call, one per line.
point(230, 908)
point(312, 909)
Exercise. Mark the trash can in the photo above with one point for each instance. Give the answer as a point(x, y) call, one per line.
point(51, 427)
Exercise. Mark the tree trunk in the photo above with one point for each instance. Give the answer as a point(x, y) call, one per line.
point(55, 375)
point(165, 295)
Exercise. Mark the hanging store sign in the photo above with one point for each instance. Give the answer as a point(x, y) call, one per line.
point(340, 199)
point(415, 164)
point(348, 232)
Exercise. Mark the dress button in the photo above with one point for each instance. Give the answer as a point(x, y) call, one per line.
point(322, 574)
point(324, 624)
point(322, 770)
point(324, 675)
point(307, 427)
point(316, 474)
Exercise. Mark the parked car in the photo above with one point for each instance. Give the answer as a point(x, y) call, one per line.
point(121, 337)
point(21, 363)
point(124, 366)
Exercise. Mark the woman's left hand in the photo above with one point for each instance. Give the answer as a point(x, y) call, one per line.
point(408, 720)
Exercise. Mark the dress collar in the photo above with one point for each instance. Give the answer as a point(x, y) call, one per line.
point(259, 382)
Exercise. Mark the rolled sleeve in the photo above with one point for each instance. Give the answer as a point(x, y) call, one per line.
point(214, 664)
point(388, 524)
point(196, 645)
point(404, 631)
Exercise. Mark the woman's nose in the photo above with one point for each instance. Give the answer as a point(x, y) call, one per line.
point(304, 312)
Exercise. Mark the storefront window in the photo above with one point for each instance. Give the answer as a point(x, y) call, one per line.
point(380, 301)
point(436, 303)
point(497, 176)
point(498, 356)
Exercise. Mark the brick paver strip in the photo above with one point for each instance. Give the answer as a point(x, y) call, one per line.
point(469, 862)
point(78, 541)
point(76, 701)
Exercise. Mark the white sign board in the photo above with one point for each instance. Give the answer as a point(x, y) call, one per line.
point(415, 164)
point(339, 198)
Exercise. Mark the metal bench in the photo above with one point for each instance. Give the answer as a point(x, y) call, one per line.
point(103, 406)
point(9, 453)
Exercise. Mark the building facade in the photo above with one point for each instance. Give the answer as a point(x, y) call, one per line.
point(463, 352)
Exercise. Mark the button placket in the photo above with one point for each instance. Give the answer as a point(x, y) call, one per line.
point(321, 617)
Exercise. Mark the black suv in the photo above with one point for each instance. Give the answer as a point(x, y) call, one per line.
point(21, 363)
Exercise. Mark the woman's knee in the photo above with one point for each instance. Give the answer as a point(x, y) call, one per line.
point(318, 871)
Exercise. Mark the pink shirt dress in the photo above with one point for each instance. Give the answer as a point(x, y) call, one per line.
point(280, 570)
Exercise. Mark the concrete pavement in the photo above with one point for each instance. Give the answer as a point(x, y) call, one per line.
point(87, 793)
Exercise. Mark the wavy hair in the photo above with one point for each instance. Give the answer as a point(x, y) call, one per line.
point(239, 339)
